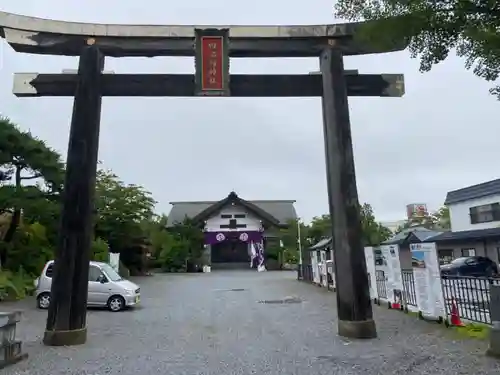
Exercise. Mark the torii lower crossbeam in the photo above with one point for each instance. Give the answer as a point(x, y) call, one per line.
point(182, 85)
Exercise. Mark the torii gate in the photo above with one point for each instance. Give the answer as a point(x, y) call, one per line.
point(212, 46)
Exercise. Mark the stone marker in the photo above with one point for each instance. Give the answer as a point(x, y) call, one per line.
point(494, 349)
point(10, 348)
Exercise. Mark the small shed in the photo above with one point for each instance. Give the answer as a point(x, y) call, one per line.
point(322, 254)
point(406, 237)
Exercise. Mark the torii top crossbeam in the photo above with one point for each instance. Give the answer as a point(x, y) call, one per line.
point(45, 36)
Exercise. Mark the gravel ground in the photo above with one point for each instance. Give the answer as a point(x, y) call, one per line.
point(194, 324)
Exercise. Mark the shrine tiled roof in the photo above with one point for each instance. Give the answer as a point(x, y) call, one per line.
point(282, 210)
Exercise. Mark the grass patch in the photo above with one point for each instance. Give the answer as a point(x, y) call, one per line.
point(473, 330)
point(477, 331)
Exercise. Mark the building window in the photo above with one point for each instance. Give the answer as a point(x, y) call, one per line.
point(225, 216)
point(240, 216)
point(469, 252)
point(445, 256)
point(229, 226)
point(485, 213)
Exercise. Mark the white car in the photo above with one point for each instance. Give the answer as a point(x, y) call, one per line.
point(106, 288)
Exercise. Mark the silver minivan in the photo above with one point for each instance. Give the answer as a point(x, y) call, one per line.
point(106, 288)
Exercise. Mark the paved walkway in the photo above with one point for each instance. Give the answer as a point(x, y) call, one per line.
point(194, 324)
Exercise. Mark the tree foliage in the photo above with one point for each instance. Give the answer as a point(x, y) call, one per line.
point(120, 211)
point(373, 233)
point(31, 183)
point(438, 220)
point(25, 158)
point(433, 29)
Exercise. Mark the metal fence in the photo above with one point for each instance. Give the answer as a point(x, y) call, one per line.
point(409, 293)
point(470, 296)
point(381, 284)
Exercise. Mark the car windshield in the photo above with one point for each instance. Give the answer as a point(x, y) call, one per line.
point(111, 274)
point(459, 261)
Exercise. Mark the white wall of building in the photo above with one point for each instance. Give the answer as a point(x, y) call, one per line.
point(460, 214)
point(252, 223)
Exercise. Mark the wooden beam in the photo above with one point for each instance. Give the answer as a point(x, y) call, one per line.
point(180, 85)
point(54, 37)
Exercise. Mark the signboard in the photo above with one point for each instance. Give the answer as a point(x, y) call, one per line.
point(427, 275)
point(416, 210)
point(114, 261)
point(212, 62)
point(370, 268)
point(390, 253)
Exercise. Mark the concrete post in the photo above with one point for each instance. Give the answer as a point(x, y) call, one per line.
point(494, 349)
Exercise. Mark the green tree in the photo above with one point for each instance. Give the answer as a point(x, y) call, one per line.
point(182, 243)
point(434, 28)
point(30, 249)
point(290, 236)
point(442, 218)
point(100, 250)
point(121, 210)
point(438, 220)
point(25, 158)
point(319, 228)
point(374, 233)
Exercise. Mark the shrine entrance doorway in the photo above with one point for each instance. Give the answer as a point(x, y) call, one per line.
point(230, 254)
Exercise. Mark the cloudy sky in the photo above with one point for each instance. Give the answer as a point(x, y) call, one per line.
point(441, 136)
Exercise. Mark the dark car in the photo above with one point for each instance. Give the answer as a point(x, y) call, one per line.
point(470, 266)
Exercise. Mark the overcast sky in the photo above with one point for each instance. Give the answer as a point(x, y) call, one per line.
point(442, 135)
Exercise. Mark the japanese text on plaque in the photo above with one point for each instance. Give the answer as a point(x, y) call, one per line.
point(212, 51)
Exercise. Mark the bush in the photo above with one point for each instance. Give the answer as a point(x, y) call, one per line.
point(29, 250)
point(15, 285)
point(100, 251)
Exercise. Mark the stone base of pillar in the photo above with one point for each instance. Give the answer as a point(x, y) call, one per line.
point(65, 338)
point(364, 329)
point(494, 349)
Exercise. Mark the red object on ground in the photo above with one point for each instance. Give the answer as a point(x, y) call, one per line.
point(396, 305)
point(455, 315)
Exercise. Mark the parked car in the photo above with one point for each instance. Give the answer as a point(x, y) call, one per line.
point(106, 288)
point(475, 266)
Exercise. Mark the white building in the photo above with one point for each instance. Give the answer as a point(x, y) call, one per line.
point(475, 207)
point(233, 225)
point(475, 223)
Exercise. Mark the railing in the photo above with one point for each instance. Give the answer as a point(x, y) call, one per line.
point(469, 295)
point(381, 284)
point(409, 293)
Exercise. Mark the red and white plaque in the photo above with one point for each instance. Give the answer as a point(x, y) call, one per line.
point(212, 60)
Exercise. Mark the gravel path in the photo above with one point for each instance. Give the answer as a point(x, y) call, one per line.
point(194, 324)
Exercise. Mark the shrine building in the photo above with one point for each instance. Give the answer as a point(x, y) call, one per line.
point(233, 225)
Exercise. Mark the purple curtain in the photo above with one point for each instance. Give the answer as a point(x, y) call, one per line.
point(216, 237)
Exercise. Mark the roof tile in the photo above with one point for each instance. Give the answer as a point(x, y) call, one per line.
point(473, 192)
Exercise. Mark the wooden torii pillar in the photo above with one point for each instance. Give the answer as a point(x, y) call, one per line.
point(213, 47)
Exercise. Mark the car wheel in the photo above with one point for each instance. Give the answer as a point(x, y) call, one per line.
point(116, 303)
point(43, 301)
